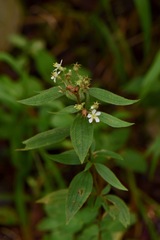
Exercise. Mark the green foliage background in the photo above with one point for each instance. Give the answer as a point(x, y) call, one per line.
point(117, 42)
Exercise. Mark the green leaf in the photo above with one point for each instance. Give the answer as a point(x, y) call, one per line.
point(109, 97)
point(144, 11)
point(79, 190)
point(152, 75)
point(107, 154)
point(113, 121)
point(106, 190)
point(123, 213)
point(69, 109)
point(133, 160)
point(46, 138)
point(62, 119)
point(154, 150)
point(90, 232)
point(81, 136)
point(109, 176)
point(54, 197)
point(43, 97)
point(11, 61)
point(44, 62)
point(108, 38)
point(67, 157)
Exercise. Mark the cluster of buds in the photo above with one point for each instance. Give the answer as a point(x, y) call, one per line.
point(76, 67)
point(83, 82)
point(80, 106)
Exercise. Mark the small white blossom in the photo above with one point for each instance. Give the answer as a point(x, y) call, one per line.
point(58, 66)
point(55, 75)
point(57, 70)
point(93, 116)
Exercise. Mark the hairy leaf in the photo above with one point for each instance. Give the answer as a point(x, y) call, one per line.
point(43, 97)
point(123, 213)
point(113, 121)
point(69, 109)
point(109, 97)
point(68, 157)
point(81, 136)
point(46, 138)
point(107, 154)
point(54, 197)
point(109, 176)
point(79, 190)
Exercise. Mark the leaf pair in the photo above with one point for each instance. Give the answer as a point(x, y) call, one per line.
point(81, 187)
point(53, 93)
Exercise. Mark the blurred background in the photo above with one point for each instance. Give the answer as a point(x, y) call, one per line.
point(118, 43)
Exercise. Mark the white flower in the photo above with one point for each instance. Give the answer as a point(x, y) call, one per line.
point(93, 116)
point(58, 66)
point(57, 70)
point(55, 75)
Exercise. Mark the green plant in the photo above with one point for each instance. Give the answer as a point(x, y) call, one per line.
point(16, 123)
point(91, 186)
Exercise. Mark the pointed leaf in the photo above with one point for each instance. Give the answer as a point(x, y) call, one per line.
point(124, 215)
point(43, 97)
point(144, 11)
point(109, 176)
point(68, 157)
point(113, 121)
point(108, 154)
point(81, 136)
point(109, 97)
point(151, 76)
point(79, 190)
point(46, 138)
point(69, 109)
point(54, 197)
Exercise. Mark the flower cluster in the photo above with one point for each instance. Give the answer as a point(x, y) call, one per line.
point(83, 82)
point(75, 86)
point(92, 115)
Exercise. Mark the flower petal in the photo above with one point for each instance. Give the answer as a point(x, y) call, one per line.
point(98, 113)
point(97, 119)
point(89, 115)
point(93, 111)
point(90, 120)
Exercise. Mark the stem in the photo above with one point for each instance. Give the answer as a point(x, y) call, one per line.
point(78, 98)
